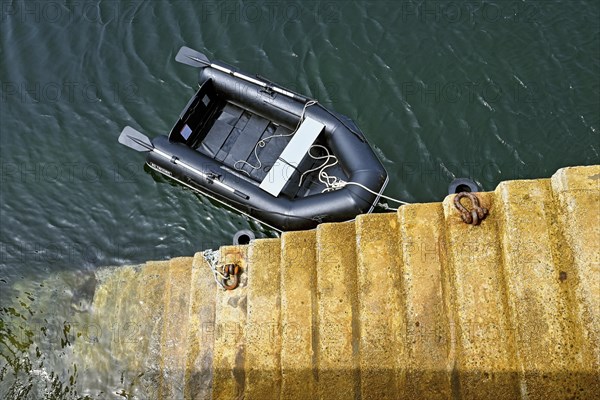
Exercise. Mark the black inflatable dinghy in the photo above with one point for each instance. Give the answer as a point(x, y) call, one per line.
point(265, 151)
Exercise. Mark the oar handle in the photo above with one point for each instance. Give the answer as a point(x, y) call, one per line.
point(196, 59)
point(260, 82)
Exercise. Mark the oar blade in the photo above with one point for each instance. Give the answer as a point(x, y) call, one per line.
point(191, 57)
point(135, 140)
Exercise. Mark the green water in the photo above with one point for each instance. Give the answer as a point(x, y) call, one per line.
point(491, 90)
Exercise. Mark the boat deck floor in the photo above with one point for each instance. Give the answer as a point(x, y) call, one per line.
point(233, 140)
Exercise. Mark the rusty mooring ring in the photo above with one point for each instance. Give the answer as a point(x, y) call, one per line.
point(476, 215)
point(230, 276)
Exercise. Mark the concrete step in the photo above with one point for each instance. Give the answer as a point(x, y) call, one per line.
point(123, 346)
point(298, 301)
point(201, 332)
point(546, 334)
point(112, 356)
point(577, 196)
point(430, 328)
point(229, 373)
point(149, 298)
point(381, 310)
point(414, 304)
point(263, 323)
point(142, 310)
point(173, 347)
point(485, 339)
point(336, 333)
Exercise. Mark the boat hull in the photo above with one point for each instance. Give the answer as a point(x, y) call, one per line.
point(280, 213)
point(211, 146)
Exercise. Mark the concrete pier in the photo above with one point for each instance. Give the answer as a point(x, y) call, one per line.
point(408, 305)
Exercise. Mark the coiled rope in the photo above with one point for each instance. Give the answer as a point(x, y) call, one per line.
point(333, 183)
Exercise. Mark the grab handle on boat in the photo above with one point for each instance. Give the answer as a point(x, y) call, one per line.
point(241, 194)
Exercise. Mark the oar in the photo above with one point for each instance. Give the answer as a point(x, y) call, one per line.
point(196, 59)
point(137, 141)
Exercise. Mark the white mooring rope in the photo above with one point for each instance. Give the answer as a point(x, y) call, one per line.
point(333, 183)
